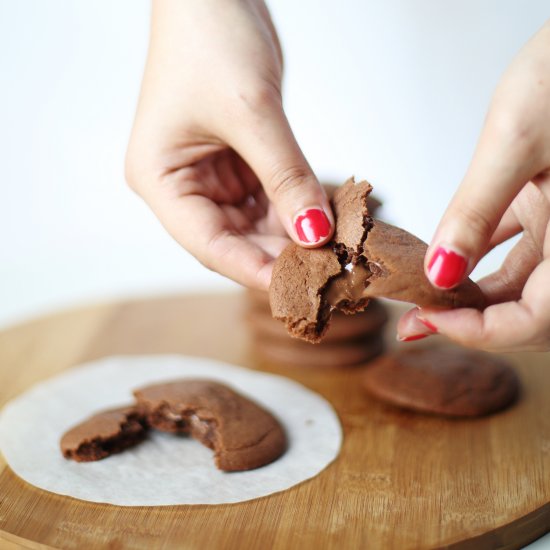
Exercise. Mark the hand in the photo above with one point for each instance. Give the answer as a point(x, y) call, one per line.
point(211, 151)
point(506, 191)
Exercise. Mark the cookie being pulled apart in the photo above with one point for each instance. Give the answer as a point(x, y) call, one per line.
point(367, 258)
point(242, 434)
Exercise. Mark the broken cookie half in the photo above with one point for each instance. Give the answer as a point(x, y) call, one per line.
point(103, 434)
point(367, 258)
point(242, 434)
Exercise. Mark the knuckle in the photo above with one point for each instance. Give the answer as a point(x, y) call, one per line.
point(206, 258)
point(513, 129)
point(476, 220)
point(207, 263)
point(494, 334)
point(287, 181)
point(219, 245)
point(485, 338)
point(258, 96)
point(143, 172)
point(540, 333)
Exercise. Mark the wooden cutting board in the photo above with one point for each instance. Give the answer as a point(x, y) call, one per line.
point(401, 481)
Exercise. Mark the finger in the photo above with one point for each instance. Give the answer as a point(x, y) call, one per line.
point(246, 175)
point(503, 163)
point(225, 171)
point(261, 199)
point(215, 244)
point(531, 211)
point(271, 224)
point(263, 138)
point(252, 210)
point(410, 327)
point(507, 228)
point(272, 244)
point(238, 221)
point(503, 327)
point(511, 326)
point(506, 284)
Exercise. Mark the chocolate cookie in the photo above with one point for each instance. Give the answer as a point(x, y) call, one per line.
point(104, 434)
point(367, 258)
point(343, 327)
point(300, 277)
point(327, 356)
point(242, 434)
point(353, 217)
point(444, 381)
point(373, 203)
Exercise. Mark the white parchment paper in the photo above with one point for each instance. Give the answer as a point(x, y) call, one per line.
point(164, 469)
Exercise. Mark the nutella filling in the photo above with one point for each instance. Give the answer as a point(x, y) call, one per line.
point(190, 422)
point(349, 287)
point(203, 430)
point(170, 415)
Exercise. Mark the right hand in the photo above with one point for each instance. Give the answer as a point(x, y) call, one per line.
point(506, 191)
point(212, 151)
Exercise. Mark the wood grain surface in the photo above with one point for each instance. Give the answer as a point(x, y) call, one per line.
point(401, 481)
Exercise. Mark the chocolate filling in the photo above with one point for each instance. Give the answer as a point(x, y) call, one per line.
point(346, 291)
point(184, 422)
point(203, 430)
point(189, 422)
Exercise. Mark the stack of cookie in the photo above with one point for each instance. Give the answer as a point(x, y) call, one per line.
point(350, 340)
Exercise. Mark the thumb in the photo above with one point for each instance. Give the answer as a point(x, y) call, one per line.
point(502, 164)
point(265, 141)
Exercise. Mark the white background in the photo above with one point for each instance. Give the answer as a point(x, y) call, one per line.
point(393, 91)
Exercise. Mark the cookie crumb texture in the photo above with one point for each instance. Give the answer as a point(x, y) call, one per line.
point(242, 434)
point(366, 259)
point(105, 433)
point(443, 381)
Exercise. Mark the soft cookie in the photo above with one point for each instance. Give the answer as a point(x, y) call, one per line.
point(444, 381)
point(366, 259)
point(327, 356)
point(343, 328)
point(242, 434)
point(104, 434)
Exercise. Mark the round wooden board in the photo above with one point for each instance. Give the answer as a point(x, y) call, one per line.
point(401, 481)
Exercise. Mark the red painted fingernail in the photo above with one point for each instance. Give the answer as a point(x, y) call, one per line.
point(429, 325)
point(413, 337)
point(446, 268)
point(312, 225)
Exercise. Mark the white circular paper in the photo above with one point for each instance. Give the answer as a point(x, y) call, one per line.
point(164, 469)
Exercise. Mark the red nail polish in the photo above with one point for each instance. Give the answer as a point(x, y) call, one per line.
point(414, 337)
point(427, 323)
point(312, 226)
point(446, 268)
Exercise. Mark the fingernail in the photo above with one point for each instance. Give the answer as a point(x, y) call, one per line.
point(312, 225)
point(412, 338)
point(427, 323)
point(446, 267)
